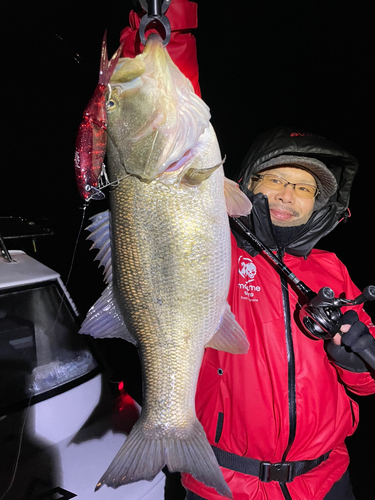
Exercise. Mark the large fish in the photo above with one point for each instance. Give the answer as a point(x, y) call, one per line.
point(165, 247)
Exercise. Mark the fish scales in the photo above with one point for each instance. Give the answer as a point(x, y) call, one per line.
point(168, 268)
point(173, 307)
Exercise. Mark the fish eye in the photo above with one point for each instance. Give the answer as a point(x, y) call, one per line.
point(111, 100)
point(111, 104)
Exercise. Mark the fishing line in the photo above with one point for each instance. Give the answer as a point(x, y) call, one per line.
point(116, 183)
point(52, 329)
point(26, 412)
point(104, 183)
point(84, 208)
point(50, 28)
point(77, 58)
point(85, 205)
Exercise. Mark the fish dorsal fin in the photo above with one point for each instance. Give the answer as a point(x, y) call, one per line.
point(237, 202)
point(195, 176)
point(103, 319)
point(229, 337)
point(100, 236)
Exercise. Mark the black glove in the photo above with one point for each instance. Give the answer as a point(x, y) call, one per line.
point(356, 339)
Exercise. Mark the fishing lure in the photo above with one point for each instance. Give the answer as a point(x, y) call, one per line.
point(91, 142)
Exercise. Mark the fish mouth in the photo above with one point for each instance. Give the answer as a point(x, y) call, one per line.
point(157, 131)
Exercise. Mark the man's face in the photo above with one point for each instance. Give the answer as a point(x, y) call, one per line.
point(286, 207)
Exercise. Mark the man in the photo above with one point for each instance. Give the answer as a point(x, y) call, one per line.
point(284, 402)
point(277, 417)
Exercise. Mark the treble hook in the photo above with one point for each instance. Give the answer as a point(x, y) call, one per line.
point(155, 12)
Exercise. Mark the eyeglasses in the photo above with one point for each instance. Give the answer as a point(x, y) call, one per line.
point(278, 183)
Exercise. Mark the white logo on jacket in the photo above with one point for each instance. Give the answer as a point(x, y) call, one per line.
point(247, 270)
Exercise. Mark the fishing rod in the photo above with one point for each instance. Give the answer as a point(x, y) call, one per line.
point(322, 312)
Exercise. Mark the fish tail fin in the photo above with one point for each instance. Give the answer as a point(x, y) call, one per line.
point(194, 455)
point(142, 457)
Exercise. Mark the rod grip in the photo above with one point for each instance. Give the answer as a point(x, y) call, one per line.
point(368, 355)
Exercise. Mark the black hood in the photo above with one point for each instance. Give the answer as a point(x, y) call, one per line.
point(289, 141)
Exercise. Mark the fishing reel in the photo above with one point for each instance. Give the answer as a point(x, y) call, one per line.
point(322, 313)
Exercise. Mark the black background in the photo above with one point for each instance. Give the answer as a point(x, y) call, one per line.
point(266, 63)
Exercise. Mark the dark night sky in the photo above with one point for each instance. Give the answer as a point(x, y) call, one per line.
point(262, 64)
point(266, 63)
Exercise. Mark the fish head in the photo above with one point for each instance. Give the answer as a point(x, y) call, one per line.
point(154, 117)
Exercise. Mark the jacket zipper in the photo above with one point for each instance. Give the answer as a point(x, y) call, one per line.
point(291, 371)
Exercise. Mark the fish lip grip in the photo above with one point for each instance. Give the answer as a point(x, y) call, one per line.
point(155, 14)
point(321, 314)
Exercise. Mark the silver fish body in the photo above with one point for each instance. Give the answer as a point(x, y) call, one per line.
point(169, 268)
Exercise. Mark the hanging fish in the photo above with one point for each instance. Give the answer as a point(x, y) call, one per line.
point(165, 248)
point(91, 142)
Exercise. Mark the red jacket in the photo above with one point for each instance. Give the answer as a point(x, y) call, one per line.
point(251, 390)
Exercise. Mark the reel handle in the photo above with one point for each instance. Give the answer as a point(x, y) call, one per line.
point(367, 294)
point(324, 297)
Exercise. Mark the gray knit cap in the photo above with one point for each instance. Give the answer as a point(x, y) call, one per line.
point(325, 180)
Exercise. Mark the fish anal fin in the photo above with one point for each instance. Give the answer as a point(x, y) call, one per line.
point(229, 337)
point(238, 204)
point(103, 319)
point(142, 457)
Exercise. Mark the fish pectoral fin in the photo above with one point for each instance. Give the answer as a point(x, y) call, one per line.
point(142, 457)
point(229, 337)
point(237, 202)
point(195, 176)
point(103, 319)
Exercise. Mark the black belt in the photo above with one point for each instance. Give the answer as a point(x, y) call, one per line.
point(283, 472)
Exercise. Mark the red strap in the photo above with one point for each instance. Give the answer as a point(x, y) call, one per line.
point(182, 15)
